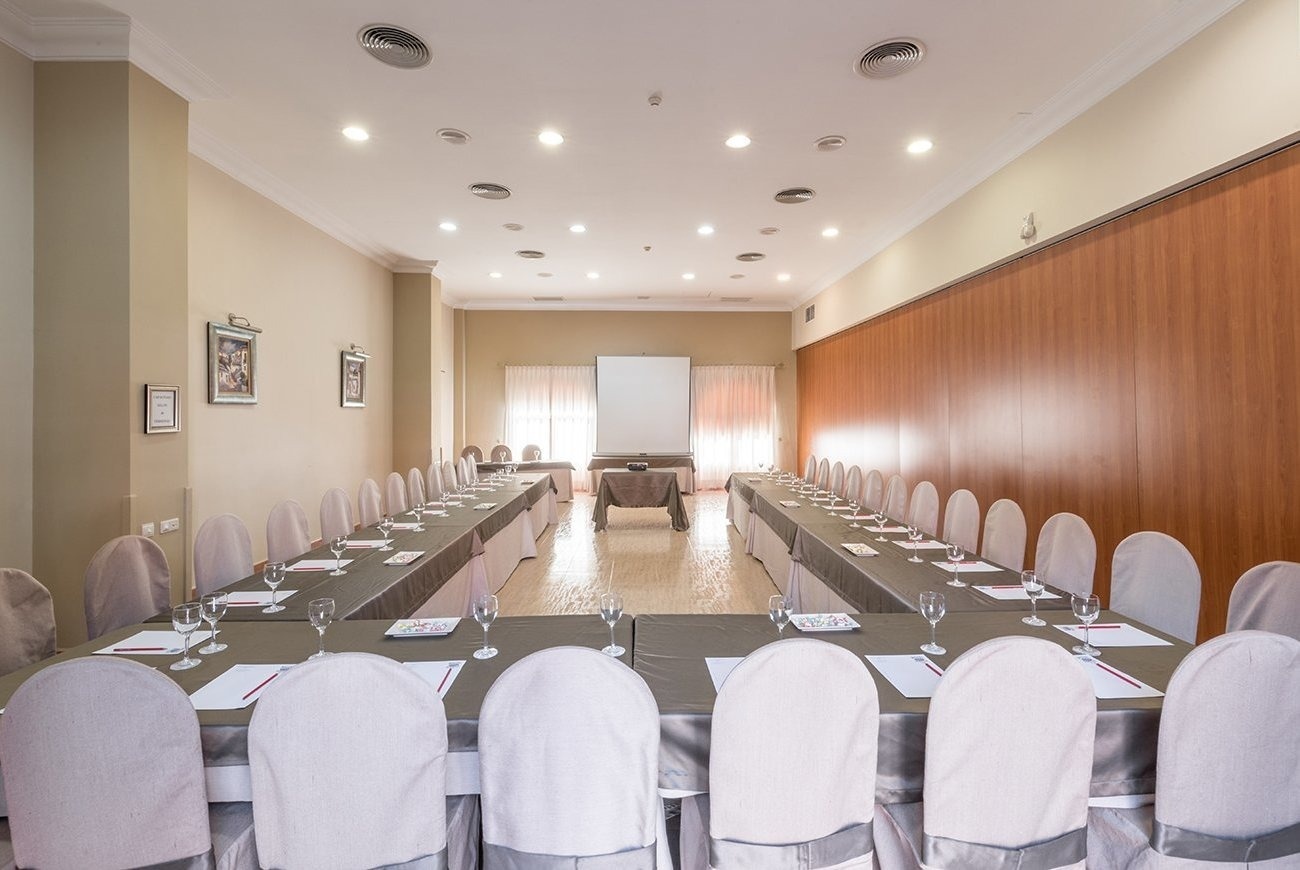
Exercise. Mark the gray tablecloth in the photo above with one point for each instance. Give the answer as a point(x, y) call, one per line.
point(526, 467)
point(670, 653)
point(599, 463)
point(639, 489)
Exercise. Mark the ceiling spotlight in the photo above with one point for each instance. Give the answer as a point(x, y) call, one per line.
point(356, 134)
point(593, 275)
point(919, 146)
point(550, 137)
point(448, 226)
point(705, 230)
point(830, 233)
point(784, 276)
point(577, 228)
point(494, 274)
point(688, 276)
point(740, 140)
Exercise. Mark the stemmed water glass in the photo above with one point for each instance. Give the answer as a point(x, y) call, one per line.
point(185, 619)
point(212, 607)
point(956, 552)
point(1033, 588)
point(933, 607)
point(321, 613)
point(337, 546)
point(467, 491)
point(835, 496)
point(273, 576)
point(1086, 609)
point(880, 517)
point(386, 529)
point(485, 610)
point(778, 610)
point(611, 610)
point(914, 535)
point(853, 514)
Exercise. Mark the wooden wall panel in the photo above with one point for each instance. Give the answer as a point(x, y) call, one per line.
point(1145, 375)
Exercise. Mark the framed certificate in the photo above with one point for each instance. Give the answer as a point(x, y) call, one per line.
point(162, 408)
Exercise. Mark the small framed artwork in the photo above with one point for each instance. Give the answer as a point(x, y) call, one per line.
point(232, 365)
point(353, 380)
point(162, 408)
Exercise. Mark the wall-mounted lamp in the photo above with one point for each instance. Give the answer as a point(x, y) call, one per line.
point(242, 323)
point(1027, 229)
point(360, 351)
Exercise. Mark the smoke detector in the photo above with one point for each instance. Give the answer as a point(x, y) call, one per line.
point(890, 57)
point(393, 45)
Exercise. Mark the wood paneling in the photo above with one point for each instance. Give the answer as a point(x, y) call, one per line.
point(1145, 375)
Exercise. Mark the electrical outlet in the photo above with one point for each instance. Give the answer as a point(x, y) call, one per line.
point(170, 525)
point(147, 530)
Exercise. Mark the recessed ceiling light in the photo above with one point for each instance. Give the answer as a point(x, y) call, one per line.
point(356, 134)
point(688, 276)
point(784, 276)
point(830, 233)
point(705, 230)
point(593, 275)
point(577, 228)
point(740, 140)
point(550, 137)
point(448, 226)
point(919, 146)
point(494, 274)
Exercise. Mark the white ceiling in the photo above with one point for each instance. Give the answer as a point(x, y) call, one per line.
point(288, 75)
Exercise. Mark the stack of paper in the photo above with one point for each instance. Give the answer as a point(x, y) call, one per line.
point(1114, 634)
point(790, 503)
point(921, 545)
point(153, 643)
point(363, 545)
point(914, 676)
point(319, 564)
point(1011, 592)
point(887, 530)
point(407, 527)
point(1109, 681)
point(257, 598)
point(440, 675)
point(238, 687)
point(720, 669)
point(969, 567)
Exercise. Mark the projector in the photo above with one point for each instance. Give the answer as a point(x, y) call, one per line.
point(637, 466)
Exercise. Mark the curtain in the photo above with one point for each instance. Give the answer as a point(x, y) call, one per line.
point(733, 420)
point(553, 407)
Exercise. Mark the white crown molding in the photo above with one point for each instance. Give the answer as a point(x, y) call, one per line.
point(207, 147)
point(415, 267)
point(614, 305)
point(164, 63)
point(1145, 47)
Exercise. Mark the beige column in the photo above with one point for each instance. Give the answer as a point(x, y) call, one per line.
point(417, 368)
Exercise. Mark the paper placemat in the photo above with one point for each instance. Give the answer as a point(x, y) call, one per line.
point(363, 545)
point(408, 527)
point(860, 549)
point(238, 687)
point(1114, 634)
point(441, 675)
point(320, 564)
point(155, 643)
point(1011, 593)
point(969, 567)
point(914, 676)
point(720, 669)
point(1109, 682)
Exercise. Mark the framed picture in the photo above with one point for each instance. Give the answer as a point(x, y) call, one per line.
point(352, 378)
point(232, 365)
point(162, 408)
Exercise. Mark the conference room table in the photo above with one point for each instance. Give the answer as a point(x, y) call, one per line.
point(638, 489)
point(560, 472)
point(683, 465)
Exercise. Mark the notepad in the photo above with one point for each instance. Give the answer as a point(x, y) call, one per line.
point(485, 506)
point(968, 567)
point(238, 687)
point(1011, 593)
point(859, 549)
point(440, 675)
point(922, 545)
point(363, 545)
point(913, 675)
point(888, 530)
point(1114, 634)
point(407, 527)
point(319, 564)
point(790, 503)
point(154, 643)
point(1110, 682)
point(721, 668)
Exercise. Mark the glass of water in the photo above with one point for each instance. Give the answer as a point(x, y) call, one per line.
point(1033, 588)
point(611, 610)
point(321, 613)
point(273, 575)
point(933, 606)
point(914, 535)
point(778, 610)
point(185, 619)
point(386, 529)
point(337, 546)
point(1086, 609)
point(956, 552)
point(485, 611)
point(212, 608)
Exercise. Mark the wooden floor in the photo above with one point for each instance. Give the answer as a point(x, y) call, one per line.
point(657, 570)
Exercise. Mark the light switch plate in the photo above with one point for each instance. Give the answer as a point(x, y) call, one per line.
point(170, 525)
point(147, 530)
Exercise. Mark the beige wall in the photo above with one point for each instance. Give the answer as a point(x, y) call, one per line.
point(1227, 92)
point(17, 75)
point(417, 363)
point(494, 339)
point(313, 296)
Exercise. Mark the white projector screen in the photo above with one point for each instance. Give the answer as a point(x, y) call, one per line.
point(643, 404)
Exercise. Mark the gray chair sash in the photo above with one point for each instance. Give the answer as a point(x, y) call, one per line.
point(427, 862)
point(852, 842)
point(1181, 843)
point(1069, 848)
point(504, 858)
point(206, 861)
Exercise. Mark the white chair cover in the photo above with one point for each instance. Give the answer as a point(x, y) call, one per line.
point(823, 725)
point(335, 515)
point(127, 582)
point(837, 478)
point(103, 768)
point(568, 742)
point(1267, 597)
point(370, 506)
point(873, 490)
point(449, 476)
point(810, 469)
point(415, 487)
point(223, 553)
point(1066, 556)
point(26, 621)
point(1154, 579)
point(961, 520)
point(823, 474)
point(472, 452)
point(853, 484)
point(287, 534)
point(896, 498)
point(471, 466)
point(501, 453)
point(434, 478)
point(348, 760)
point(1005, 534)
point(923, 512)
point(531, 453)
point(395, 494)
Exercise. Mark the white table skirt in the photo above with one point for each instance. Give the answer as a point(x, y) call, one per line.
point(740, 515)
point(543, 514)
point(772, 552)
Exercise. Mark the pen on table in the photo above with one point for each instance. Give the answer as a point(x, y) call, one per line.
point(140, 649)
point(444, 678)
point(933, 668)
point(255, 689)
point(1118, 674)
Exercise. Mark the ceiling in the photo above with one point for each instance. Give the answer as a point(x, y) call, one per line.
point(274, 84)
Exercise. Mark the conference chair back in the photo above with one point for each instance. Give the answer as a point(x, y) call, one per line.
point(27, 632)
point(873, 490)
point(223, 553)
point(287, 534)
point(837, 478)
point(335, 515)
point(810, 469)
point(1154, 579)
point(1066, 556)
point(127, 581)
point(501, 453)
point(923, 511)
point(395, 494)
point(531, 453)
point(824, 474)
point(853, 484)
point(370, 505)
point(1267, 598)
point(472, 452)
point(896, 498)
point(433, 476)
point(1005, 534)
point(415, 487)
point(961, 521)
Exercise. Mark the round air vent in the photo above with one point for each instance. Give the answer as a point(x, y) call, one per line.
point(452, 136)
point(830, 143)
point(768, 231)
point(738, 275)
point(890, 58)
point(488, 190)
point(530, 255)
point(749, 257)
point(795, 195)
point(394, 46)
point(514, 228)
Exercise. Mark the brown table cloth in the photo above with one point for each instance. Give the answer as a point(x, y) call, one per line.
point(599, 463)
point(640, 489)
point(526, 467)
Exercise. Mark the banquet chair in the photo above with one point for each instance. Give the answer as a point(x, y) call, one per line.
point(853, 484)
point(449, 479)
point(826, 730)
point(127, 581)
point(501, 453)
point(961, 520)
point(837, 478)
point(824, 475)
point(287, 534)
point(335, 515)
point(415, 487)
point(471, 466)
point(433, 477)
point(223, 553)
point(531, 453)
point(1066, 555)
point(1226, 794)
point(1005, 534)
point(1267, 598)
point(1008, 763)
point(395, 494)
point(896, 498)
point(103, 768)
point(923, 511)
point(472, 452)
point(1154, 579)
point(873, 490)
point(347, 757)
point(568, 744)
point(462, 472)
point(370, 507)
point(810, 469)
point(26, 621)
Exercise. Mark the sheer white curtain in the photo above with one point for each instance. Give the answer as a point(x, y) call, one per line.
point(553, 407)
point(733, 420)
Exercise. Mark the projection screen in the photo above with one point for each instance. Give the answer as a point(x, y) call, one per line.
point(643, 405)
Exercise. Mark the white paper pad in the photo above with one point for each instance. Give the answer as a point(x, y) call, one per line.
point(440, 675)
point(922, 545)
point(437, 513)
point(485, 506)
point(1106, 634)
point(860, 549)
point(914, 676)
point(790, 503)
point(720, 669)
point(1011, 593)
point(821, 498)
point(238, 687)
point(407, 527)
point(257, 598)
point(969, 567)
point(1109, 681)
point(404, 557)
point(840, 507)
point(156, 643)
point(887, 530)
point(319, 564)
point(364, 545)
point(856, 517)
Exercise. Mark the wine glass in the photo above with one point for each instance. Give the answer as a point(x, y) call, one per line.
point(467, 492)
point(778, 610)
point(273, 576)
point(611, 610)
point(835, 496)
point(914, 535)
point(185, 619)
point(386, 529)
point(485, 610)
point(337, 546)
point(933, 607)
point(956, 552)
point(212, 607)
point(1086, 609)
point(321, 613)
point(416, 508)
point(1033, 588)
point(880, 517)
